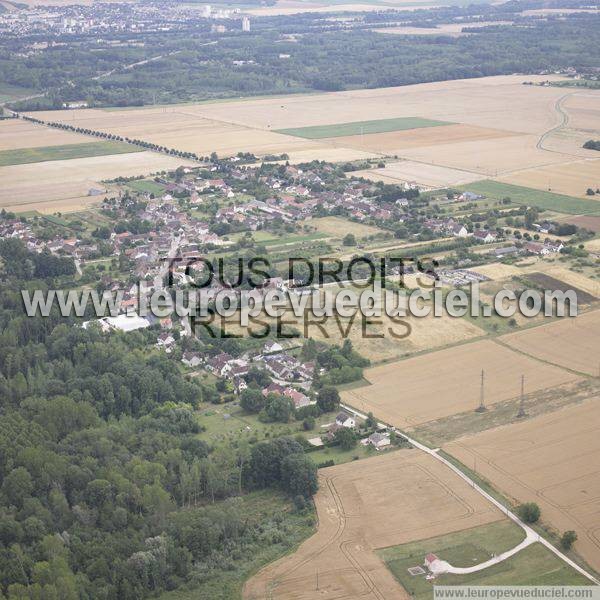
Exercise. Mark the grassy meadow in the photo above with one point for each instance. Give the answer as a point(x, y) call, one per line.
point(21, 156)
point(534, 565)
point(361, 127)
point(544, 200)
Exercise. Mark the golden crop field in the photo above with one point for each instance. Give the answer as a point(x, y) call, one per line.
point(571, 343)
point(487, 157)
point(492, 102)
point(499, 126)
point(552, 460)
point(582, 114)
point(593, 245)
point(64, 182)
point(380, 345)
point(447, 382)
point(16, 133)
point(411, 172)
point(175, 126)
point(384, 338)
point(497, 271)
point(395, 498)
point(396, 141)
point(571, 179)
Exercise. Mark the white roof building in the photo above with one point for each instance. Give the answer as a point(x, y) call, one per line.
point(129, 322)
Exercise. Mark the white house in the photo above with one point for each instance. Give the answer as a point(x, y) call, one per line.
point(165, 340)
point(272, 348)
point(459, 230)
point(430, 559)
point(485, 236)
point(344, 419)
point(469, 197)
point(554, 245)
point(378, 440)
point(191, 359)
point(535, 248)
point(435, 565)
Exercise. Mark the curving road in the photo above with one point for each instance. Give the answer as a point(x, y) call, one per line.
point(564, 121)
point(445, 567)
point(530, 535)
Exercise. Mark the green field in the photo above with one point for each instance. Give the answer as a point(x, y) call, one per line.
point(225, 424)
point(294, 239)
point(146, 186)
point(23, 156)
point(543, 200)
point(535, 565)
point(56, 220)
point(361, 127)
point(339, 456)
point(268, 239)
point(264, 236)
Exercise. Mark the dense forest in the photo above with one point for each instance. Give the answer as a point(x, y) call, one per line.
point(107, 490)
point(281, 55)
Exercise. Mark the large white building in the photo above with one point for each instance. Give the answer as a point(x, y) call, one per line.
point(124, 322)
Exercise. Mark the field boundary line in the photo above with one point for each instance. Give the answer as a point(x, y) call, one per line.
point(501, 342)
point(512, 516)
point(273, 583)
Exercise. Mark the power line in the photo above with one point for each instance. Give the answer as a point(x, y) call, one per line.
point(481, 407)
point(522, 412)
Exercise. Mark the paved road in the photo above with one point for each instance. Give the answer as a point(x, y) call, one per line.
point(445, 567)
point(530, 535)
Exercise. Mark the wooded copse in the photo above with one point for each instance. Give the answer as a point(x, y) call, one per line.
point(107, 491)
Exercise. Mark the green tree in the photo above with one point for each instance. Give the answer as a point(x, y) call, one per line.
point(299, 475)
point(252, 400)
point(349, 240)
point(279, 409)
point(17, 486)
point(345, 438)
point(308, 423)
point(328, 399)
point(98, 492)
point(264, 467)
point(567, 539)
point(371, 421)
point(529, 512)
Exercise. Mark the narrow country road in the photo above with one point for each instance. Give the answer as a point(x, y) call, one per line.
point(563, 122)
point(530, 535)
point(445, 567)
